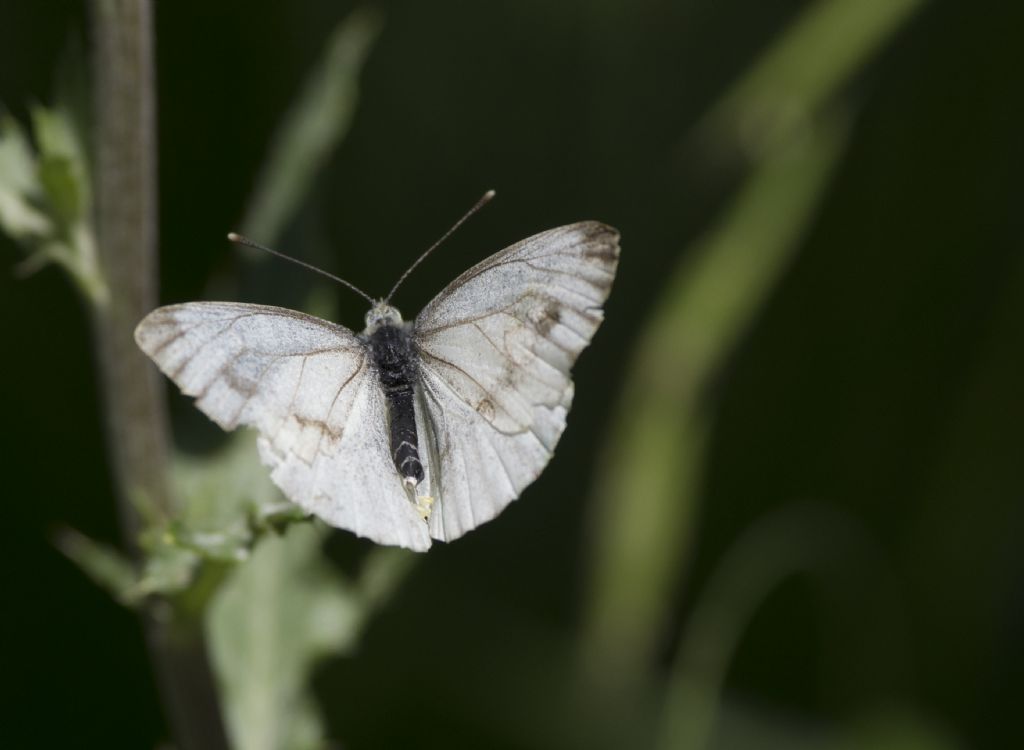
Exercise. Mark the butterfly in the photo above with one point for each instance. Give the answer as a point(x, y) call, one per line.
point(409, 431)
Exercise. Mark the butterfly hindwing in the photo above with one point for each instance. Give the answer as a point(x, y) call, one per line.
point(496, 348)
point(305, 384)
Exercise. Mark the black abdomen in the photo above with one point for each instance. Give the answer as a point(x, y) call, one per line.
point(396, 362)
point(404, 450)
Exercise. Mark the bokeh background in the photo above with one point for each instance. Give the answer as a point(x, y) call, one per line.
point(788, 508)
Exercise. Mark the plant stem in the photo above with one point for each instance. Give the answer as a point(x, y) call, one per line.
point(126, 226)
point(126, 216)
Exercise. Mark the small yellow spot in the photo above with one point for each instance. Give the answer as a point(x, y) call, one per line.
point(424, 504)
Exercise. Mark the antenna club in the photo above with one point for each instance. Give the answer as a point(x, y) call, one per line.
point(234, 237)
point(488, 195)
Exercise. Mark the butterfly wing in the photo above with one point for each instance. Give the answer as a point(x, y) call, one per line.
point(306, 385)
point(496, 347)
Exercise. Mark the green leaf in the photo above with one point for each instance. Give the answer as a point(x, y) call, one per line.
point(20, 187)
point(62, 188)
point(107, 567)
point(45, 199)
point(61, 150)
point(226, 499)
point(272, 620)
point(57, 137)
point(168, 569)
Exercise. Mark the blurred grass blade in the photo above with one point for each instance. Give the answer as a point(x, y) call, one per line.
point(848, 566)
point(273, 619)
point(790, 541)
point(312, 128)
point(646, 496)
point(801, 73)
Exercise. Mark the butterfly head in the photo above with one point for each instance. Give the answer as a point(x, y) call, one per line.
point(382, 314)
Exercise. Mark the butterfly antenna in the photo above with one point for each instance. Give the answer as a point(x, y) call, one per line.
point(240, 240)
point(476, 207)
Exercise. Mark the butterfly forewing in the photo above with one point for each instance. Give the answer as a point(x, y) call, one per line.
point(492, 387)
point(496, 347)
point(305, 384)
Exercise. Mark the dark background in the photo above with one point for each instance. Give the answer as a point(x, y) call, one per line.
point(881, 379)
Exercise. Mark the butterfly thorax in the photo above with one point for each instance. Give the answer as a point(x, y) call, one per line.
point(394, 356)
point(396, 362)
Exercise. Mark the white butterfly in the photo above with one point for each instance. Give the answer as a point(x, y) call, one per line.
point(410, 430)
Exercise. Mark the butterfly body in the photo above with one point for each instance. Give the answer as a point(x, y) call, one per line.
point(409, 431)
point(393, 354)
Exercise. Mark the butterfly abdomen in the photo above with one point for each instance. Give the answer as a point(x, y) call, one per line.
point(394, 357)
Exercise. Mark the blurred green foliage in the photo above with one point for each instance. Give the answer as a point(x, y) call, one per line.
point(798, 429)
point(281, 611)
point(312, 127)
point(275, 619)
point(655, 450)
point(45, 197)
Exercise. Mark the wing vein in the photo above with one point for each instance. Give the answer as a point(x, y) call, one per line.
point(193, 354)
point(459, 396)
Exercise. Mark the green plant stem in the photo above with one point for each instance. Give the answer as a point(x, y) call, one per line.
point(126, 226)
